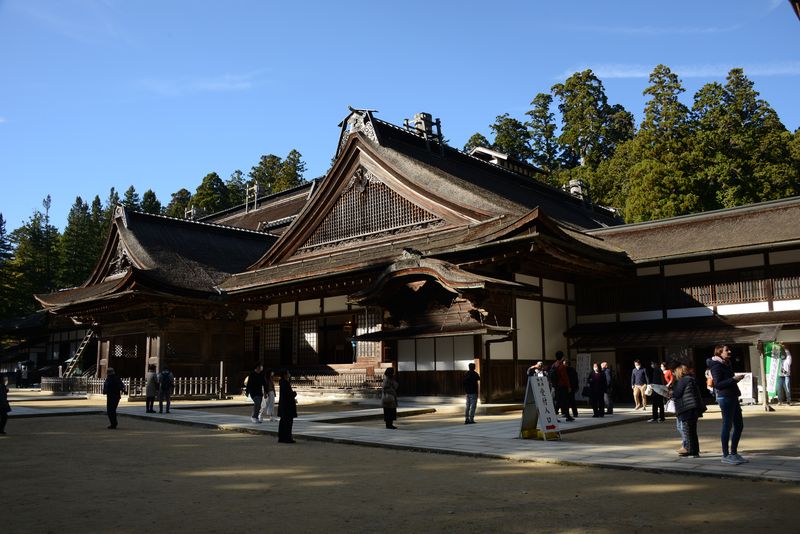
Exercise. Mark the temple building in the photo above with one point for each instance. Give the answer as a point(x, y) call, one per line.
point(412, 254)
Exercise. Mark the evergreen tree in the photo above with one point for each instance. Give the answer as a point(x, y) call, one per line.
point(150, 203)
point(237, 188)
point(475, 141)
point(591, 128)
point(78, 249)
point(131, 199)
point(266, 172)
point(290, 173)
point(211, 195)
point(35, 260)
point(108, 212)
point(511, 137)
point(542, 132)
point(180, 202)
point(98, 226)
point(6, 278)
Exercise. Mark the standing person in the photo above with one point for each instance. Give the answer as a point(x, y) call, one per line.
point(574, 383)
point(597, 389)
point(559, 379)
point(18, 377)
point(689, 408)
point(726, 387)
point(785, 378)
point(255, 390)
point(658, 401)
point(536, 369)
point(639, 384)
point(471, 379)
point(389, 398)
point(669, 377)
point(287, 408)
point(150, 388)
point(269, 405)
point(608, 397)
point(5, 407)
point(113, 388)
point(165, 381)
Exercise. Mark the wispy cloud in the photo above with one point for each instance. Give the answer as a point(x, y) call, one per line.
point(717, 70)
point(83, 21)
point(182, 86)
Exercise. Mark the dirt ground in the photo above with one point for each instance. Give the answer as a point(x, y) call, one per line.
point(71, 474)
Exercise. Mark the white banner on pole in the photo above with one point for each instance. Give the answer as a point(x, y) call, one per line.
point(583, 367)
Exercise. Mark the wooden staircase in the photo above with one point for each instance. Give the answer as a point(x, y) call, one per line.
point(73, 364)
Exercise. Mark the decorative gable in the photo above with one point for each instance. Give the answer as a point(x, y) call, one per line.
point(366, 209)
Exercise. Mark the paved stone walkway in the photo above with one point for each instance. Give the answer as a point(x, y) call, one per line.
point(492, 440)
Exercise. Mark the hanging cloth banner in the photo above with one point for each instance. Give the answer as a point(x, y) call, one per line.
point(538, 408)
point(772, 366)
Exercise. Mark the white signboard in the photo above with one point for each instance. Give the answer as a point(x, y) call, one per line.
point(746, 387)
point(539, 408)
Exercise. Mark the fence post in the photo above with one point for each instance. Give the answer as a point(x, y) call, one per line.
point(220, 380)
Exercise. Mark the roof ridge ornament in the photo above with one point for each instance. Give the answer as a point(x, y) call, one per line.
point(359, 120)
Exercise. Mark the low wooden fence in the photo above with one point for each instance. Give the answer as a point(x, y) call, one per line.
point(357, 379)
point(183, 387)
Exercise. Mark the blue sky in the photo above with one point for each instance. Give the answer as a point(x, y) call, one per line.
point(156, 94)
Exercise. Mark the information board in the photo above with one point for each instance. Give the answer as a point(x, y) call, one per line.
point(538, 412)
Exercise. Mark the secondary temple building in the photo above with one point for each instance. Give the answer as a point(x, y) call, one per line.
point(410, 253)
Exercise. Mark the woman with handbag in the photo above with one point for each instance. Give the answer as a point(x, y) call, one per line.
point(389, 398)
point(689, 407)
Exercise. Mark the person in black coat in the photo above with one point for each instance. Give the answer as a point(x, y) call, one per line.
point(597, 389)
point(113, 388)
point(573, 386)
point(287, 408)
point(256, 386)
point(689, 407)
point(4, 406)
point(656, 377)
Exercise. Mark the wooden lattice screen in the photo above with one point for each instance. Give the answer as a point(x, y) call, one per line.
point(366, 208)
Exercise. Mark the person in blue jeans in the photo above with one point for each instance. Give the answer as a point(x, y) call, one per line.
point(726, 387)
point(471, 379)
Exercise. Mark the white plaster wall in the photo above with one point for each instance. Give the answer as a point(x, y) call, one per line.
point(786, 305)
point(308, 307)
point(500, 351)
point(598, 318)
point(253, 315)
point(406, 355)
point(650, 315)
point(335, 304)
point(425, 355)
point(444, 354)
point(529, 329)
point(739, 262)
point(679, 313)
point(287, 309)
point(271, 312)
point(463, 352)
point(552, 289)
point(687, 268)
point(784, 256)
point(555, 324)
point(749, 307)
point(648, 271)
point(525, 279)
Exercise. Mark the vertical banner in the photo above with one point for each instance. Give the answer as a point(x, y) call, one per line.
point(538, 408)
point(583, 367)
point(772, 366)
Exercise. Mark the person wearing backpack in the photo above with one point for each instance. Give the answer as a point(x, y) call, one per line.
point(726, 386)
point(165, 381)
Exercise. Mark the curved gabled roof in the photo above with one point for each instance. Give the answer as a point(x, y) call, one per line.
point(152, 251)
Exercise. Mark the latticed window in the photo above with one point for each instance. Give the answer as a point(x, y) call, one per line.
point(309, 345)
point(248, 338)
point(367, 323)
point(126, 351)
point(366, 208)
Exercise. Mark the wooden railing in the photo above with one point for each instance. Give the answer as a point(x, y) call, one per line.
point(744, 291)
point(184, 387)
point(351, 379)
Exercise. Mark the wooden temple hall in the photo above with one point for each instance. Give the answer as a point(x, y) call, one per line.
point(413, 254)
